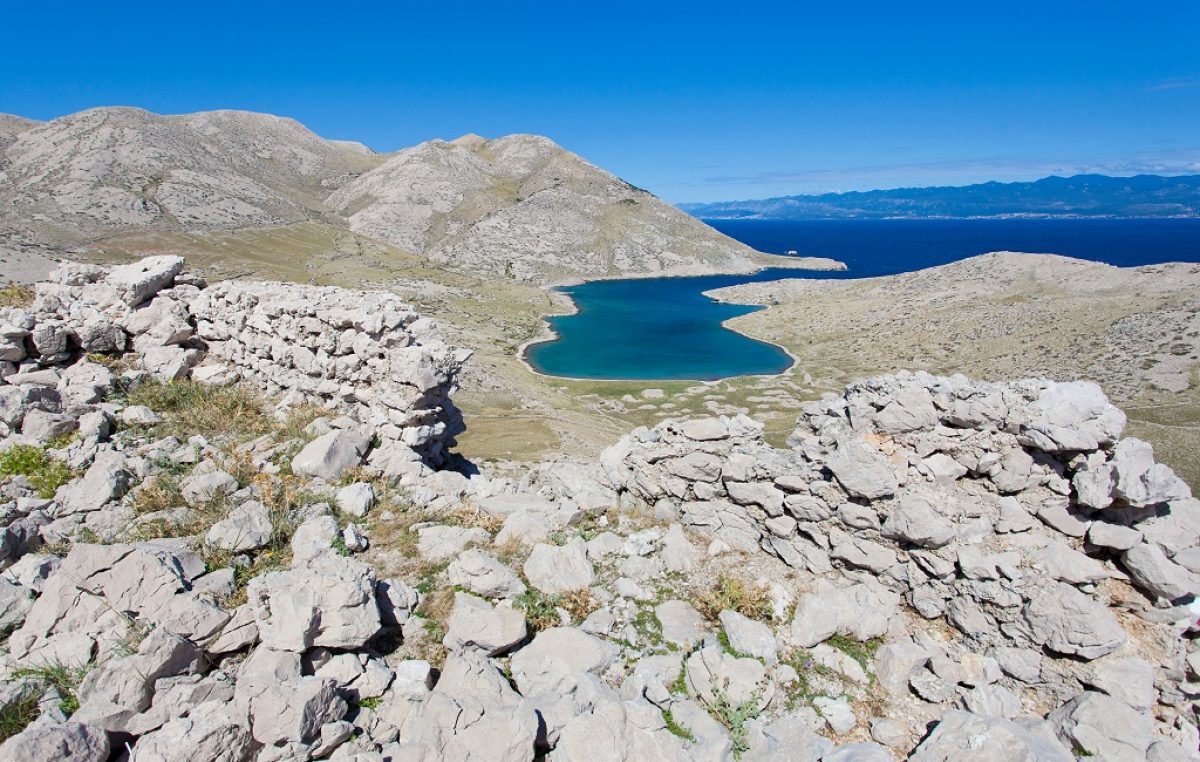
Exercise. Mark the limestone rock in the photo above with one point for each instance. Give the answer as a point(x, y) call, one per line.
point(1139, 481)
point(44, 741)
point(962, 735)
point(209, 732)
point(750, 637)
point(483, 575)
point(556, 655)
point(1152, 571)
point(861, 470)
point(330, 455)
point(1100, 725)
point(1073, 416)
point(719, 679)
point(356, 499)
point(330, 602)
point(476, 624)
point(559, 569)
point(201, 489)
point(863, 611)
point(915, 520)
point(1070, 622)
point(143, 279)
point(247, 527)
point(682, 624)
point(472, 713)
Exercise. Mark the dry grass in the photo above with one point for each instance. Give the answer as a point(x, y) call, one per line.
point(16, 295)
point(749, 600)
point(229, 413)
point(158, 493)
point(579, 604)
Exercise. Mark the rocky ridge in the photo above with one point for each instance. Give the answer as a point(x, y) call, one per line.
point(518, 207)
point(935, 567)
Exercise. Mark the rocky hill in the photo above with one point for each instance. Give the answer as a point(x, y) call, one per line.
point(517, 207)
point(273, 557)
point(523, 206)
point(87, 175)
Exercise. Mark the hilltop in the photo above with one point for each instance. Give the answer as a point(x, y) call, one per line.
point(517, 208)
point(1076, 196)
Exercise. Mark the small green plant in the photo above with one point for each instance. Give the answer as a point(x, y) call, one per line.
point(734, 717)
point(371, 702)
point(339, 545)
point(18, 713)
point(675, 728)
point(649, 627)
point(45, 473)
point(62, 440)
point(63, 678)
point(434, 630)
point(679, 684)
point(541, 609)
point(862, 652)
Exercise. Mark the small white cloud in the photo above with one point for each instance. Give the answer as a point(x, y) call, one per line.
point(1175, 83)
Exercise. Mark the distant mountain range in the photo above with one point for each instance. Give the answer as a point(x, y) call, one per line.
point(1078, 196)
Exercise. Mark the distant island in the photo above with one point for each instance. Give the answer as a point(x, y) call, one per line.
point(1057, 197)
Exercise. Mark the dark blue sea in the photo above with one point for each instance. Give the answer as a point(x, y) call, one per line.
point(664, 328)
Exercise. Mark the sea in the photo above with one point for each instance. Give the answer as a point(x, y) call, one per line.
point(666, 329)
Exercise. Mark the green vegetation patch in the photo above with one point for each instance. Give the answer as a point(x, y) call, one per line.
point(63, 678)
point(45, 473)
point(17, 714)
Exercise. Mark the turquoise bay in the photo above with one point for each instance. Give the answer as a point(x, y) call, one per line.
point(665, 328)
point(654, 328)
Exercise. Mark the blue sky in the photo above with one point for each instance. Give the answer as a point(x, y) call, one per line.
point(694, 101)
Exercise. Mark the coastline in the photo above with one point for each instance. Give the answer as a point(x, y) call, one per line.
point(815, 264)
point(548, 334)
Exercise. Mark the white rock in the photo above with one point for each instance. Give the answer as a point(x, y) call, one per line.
point(1073, 623)
point(330, 602)
point(437, 543)
point(749, 637)
point(330, 455)
point(47, 741)
point(143, 279)
point(356, 499)
point(476, 624)
point(140, 415)
point(247, 527)
point(559, 569)
point(483, 575)
point(837, 713)
point(682, 624)
point(201, 489)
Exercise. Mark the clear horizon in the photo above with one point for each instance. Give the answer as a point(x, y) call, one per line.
point(692, 102)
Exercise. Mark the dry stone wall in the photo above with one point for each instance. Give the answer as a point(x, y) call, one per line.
point(364, 354)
